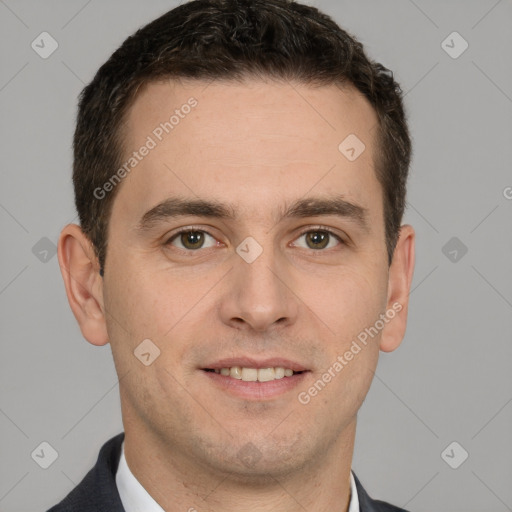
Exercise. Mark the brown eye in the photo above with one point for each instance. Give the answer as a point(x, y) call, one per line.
point(190, 239)
point(318, 239)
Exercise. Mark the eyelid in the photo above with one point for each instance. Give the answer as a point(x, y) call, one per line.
point(327, 229)
point(186, 229)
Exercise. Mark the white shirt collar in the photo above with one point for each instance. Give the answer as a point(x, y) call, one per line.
point(136, 499)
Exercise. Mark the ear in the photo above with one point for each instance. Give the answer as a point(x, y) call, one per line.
point(84, 287)
point(399, 284)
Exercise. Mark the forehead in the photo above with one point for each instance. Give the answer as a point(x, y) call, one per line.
point(253, 142)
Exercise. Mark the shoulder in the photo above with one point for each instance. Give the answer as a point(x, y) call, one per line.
point(97, 492)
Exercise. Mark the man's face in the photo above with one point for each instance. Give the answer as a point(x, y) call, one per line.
point(207, 300)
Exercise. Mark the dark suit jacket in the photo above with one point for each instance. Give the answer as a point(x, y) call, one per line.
point(97, 492)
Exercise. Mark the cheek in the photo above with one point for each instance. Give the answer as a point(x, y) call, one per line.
point(356, 301)
point(349, 304)
point(162, 308)
point(146, 305)
point(349, 301)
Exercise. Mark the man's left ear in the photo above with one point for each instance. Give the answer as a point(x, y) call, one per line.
point(399, 284)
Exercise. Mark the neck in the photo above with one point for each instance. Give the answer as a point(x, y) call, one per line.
point(178, 483)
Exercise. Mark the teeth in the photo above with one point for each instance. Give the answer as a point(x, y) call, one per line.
point(279, 372)
point(236, 372)
point(266, 374)
point(255, 374)
point(249, 374)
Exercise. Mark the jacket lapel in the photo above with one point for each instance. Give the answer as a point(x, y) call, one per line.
point(367, 504)
point(97, 491)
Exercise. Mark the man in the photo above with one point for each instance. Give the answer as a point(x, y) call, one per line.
point(239, 173)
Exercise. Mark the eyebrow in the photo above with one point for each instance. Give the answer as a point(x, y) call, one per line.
point(174, 207)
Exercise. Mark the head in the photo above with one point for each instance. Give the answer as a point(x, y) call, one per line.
point(229, 118)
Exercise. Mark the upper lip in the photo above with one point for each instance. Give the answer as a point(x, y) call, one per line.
point(249, 362)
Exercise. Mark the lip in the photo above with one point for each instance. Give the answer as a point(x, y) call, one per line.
point(248, 362)
point(255, 391)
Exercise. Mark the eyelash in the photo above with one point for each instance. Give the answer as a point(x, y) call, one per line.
point(313, 229)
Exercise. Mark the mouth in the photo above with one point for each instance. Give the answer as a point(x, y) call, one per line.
point(255, 380)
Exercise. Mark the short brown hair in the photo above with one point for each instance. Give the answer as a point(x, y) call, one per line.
point(232, 39)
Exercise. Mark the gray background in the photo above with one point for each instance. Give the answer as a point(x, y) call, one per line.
point(449, 381)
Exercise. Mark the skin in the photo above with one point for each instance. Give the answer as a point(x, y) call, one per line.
point(256, 145)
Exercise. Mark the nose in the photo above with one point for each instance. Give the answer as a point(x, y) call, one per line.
point(259, 295)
